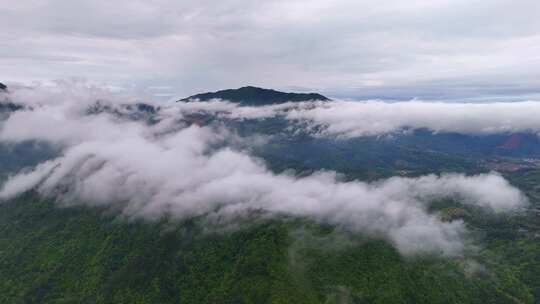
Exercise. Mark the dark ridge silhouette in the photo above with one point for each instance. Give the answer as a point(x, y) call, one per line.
point(7, 106)
point(254, 96)
point(513, 142)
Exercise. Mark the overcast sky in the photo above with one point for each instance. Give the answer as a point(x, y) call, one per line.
point(433, 49)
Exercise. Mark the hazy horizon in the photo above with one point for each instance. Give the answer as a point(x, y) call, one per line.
point(346, 49)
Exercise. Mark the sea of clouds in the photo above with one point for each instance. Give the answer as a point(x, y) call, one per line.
point(179, 170)
point(376, 117)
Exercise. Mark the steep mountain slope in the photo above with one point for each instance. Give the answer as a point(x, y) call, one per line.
point(86, 255)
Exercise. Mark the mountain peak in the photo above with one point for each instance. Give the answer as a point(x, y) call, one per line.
point(3, 87)
point(254, 96)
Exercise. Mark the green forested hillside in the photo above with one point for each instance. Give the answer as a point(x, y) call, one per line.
point(85, 255)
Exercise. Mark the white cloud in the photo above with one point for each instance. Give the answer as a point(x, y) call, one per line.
point(373, 117)
point(148, 173)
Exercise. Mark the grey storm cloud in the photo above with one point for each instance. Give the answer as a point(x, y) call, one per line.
point(431, 49)
point(148, 171)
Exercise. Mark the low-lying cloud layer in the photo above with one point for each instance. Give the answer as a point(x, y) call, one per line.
point(369, 118)
point(374, 118)
point(165, 169)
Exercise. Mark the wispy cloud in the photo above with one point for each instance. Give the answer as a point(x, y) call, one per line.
point(374, 117)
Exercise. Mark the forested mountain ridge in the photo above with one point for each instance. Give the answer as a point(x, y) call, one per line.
point(88, 255)
point(254, 96)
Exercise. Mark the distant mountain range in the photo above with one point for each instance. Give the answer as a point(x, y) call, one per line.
point(253, 96)
point(3, 87)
